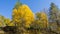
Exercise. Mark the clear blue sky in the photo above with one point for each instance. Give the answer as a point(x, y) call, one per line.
point(6, 6)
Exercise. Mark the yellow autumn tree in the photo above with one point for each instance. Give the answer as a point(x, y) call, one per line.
point(8, 22)
point(40, 23)
point(2, 23)
point(42, 19)
point(22, 14)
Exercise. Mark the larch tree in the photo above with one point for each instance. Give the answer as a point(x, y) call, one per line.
point(23, 15)
point(2, 21)
point(40, 23)
point(42, 19)
point(5, 21)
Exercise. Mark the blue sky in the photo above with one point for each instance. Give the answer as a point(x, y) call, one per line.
point(6, 6)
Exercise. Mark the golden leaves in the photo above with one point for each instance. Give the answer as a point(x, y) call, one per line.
point(23, 13)
point(42, 19)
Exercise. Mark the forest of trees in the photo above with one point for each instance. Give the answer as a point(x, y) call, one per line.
point(24, 21)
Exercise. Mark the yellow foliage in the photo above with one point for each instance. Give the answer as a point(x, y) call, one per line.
point(1, 24)
point(42, 19)
point(7, 21)
point(11, 24)
point(23, 13)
